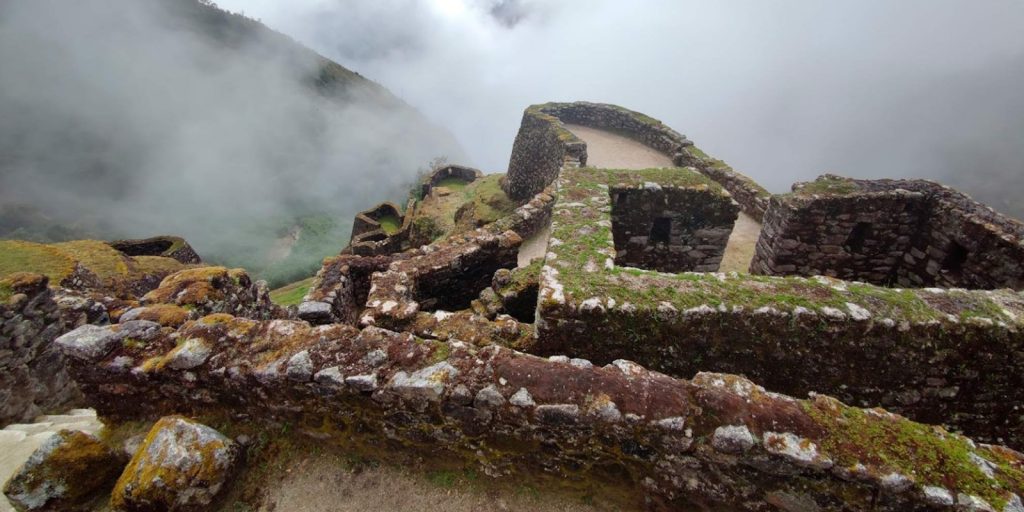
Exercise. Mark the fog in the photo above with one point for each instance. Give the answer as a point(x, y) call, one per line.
point(782, 90)
point(123, 118)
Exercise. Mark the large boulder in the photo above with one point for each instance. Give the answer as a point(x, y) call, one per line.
point(68, 472)
point(181, 465)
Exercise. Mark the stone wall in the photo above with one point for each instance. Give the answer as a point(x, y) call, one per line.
point(538, 158)
point(716, 442)
point(911, 233)
point(945, 357)
point(671, 229)
point(32, 376)
point(448, 277)
point(207, 290)
point(167, 246)
point(370, 239)
point(541, 148)
point(461, 172)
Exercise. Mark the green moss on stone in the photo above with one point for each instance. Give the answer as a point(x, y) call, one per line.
point(928, 454)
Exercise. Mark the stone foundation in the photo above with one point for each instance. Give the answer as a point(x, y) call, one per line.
point(543, 145)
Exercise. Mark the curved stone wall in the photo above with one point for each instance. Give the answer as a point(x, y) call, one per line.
point(467, 174)
point(167, 246)
point(543, 144)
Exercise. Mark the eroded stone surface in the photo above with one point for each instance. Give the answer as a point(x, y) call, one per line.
point(65, 473)
point(181, 465)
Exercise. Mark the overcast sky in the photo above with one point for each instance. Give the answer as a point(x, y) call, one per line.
point(782, 90)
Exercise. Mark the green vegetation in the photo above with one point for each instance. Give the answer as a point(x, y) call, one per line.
point(829, 185)
point(453, 183)
point(929, 454)
point(19, 256)
point(390, 224)
point(468, 206)
point(292, 294)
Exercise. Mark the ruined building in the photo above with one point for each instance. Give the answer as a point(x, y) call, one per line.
point(621, 321)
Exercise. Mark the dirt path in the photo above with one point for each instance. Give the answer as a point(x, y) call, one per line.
point(611, 151)
point(742, 242)
point(320, 483)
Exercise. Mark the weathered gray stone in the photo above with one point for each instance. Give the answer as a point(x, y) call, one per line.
point(182, 465)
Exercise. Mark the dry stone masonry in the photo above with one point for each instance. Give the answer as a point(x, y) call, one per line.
point(910, 233)
point(717, 441)
point(676, 225)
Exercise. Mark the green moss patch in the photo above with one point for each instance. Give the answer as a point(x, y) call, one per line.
point(390, 224)
point(928, 454)
point(830, 186)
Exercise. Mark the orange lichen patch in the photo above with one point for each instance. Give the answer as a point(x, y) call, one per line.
point(20, 256)
point(20, 282)
point(175, 462)
point(168, 315)
point(148, 265)
point(196, 285)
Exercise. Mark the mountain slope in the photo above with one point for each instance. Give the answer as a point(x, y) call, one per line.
point(132, 118)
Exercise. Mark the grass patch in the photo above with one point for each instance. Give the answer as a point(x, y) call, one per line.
point(829, 186)
point(390, 224)
point(453, 183)
point(291, 294)
point(19, 256)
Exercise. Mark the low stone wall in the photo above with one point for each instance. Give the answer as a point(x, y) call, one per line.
point(32, 376)
point(371, 240)
point(751, 196)
point(467, 174)
point(910, 233)
point(367, 221)
point(537, 159)
point(448, 277)
point(173, 247)
point(938, 356)
point(716, 441)
point(671, 229)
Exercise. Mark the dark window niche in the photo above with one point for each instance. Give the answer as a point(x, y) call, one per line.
point(661, 231)
point(862, 232)
point(956, 256)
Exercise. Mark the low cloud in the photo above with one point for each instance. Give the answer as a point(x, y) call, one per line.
point(783, 90)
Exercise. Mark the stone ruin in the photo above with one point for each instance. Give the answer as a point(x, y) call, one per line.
point(622, 355)
point(173, 247)
point(909, 233)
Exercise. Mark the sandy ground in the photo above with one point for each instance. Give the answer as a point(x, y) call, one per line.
point(535, 246)
point(742, 242)
point(323, 484)
point(611, 151)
